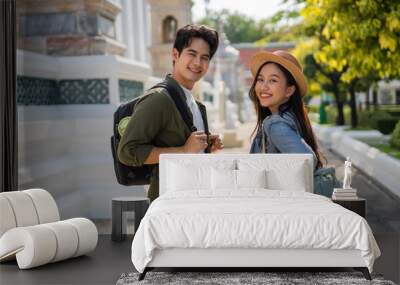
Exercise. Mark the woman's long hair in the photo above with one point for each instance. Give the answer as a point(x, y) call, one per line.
point(294, 104)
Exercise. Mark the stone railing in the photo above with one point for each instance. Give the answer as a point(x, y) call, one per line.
point(380, 166)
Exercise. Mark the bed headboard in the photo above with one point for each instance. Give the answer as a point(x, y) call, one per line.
point(269, 161)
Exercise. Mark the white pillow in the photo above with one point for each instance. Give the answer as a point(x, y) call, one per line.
point(193, 175)
point(230, 180)
point(291, 179)
point(251, 178)
point(282, 173)
point(223, 179)
point(183, 177)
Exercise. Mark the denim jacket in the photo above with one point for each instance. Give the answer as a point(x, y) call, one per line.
point(282, 134)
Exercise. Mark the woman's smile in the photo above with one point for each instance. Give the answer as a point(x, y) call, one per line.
point(265, 95)
point(271, 87)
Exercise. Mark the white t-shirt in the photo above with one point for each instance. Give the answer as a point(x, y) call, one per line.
point(194, 108)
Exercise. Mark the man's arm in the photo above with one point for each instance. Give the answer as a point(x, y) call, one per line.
point(154, 155)
point(148, 119)
point(195, 143)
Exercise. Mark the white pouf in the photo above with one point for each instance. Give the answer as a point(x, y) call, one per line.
point(31, 232)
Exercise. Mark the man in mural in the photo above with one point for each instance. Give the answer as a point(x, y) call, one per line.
point(156, 125)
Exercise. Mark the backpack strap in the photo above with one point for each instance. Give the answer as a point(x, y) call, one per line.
point(179, 103)
point(183, 109)
point(205, 122)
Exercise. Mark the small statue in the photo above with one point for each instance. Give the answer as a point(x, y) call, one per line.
point(347, 174)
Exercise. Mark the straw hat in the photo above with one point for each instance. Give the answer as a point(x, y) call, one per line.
point(285, 59)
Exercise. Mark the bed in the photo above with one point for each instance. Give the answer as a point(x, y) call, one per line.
point(247, 210)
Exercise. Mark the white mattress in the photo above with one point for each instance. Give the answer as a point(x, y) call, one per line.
point(256, 218)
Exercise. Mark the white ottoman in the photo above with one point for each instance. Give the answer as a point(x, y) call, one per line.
point(31, 232)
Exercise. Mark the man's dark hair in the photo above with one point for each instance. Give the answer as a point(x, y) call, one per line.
point(185, 35)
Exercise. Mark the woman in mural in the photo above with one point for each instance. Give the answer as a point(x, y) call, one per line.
point(277, 92)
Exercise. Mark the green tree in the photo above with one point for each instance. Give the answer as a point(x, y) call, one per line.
point(322, 59)
point(283, 26)
point(358, 84)
point(359, 39)
point(366, 35)
point(238, 27)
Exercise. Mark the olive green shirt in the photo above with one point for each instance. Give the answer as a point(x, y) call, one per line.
point(155, 122)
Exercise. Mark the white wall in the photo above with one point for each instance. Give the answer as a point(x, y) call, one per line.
point(66, 148)
point(112, 67)
point(132, 26)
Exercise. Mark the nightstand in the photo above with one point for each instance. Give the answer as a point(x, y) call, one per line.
point(120, 205)
point(358, 206)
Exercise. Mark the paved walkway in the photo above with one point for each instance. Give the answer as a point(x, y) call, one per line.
point(383, 210)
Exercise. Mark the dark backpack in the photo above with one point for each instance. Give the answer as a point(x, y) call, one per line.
point(131, 175)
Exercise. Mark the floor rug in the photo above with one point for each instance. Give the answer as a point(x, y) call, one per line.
point(243, 278)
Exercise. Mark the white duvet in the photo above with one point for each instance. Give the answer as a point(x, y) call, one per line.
point(250, 219)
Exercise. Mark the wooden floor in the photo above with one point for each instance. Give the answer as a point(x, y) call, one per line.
point(110, 259)
point(103, 266)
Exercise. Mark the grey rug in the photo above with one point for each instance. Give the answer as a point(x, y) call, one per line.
point(270, 278)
